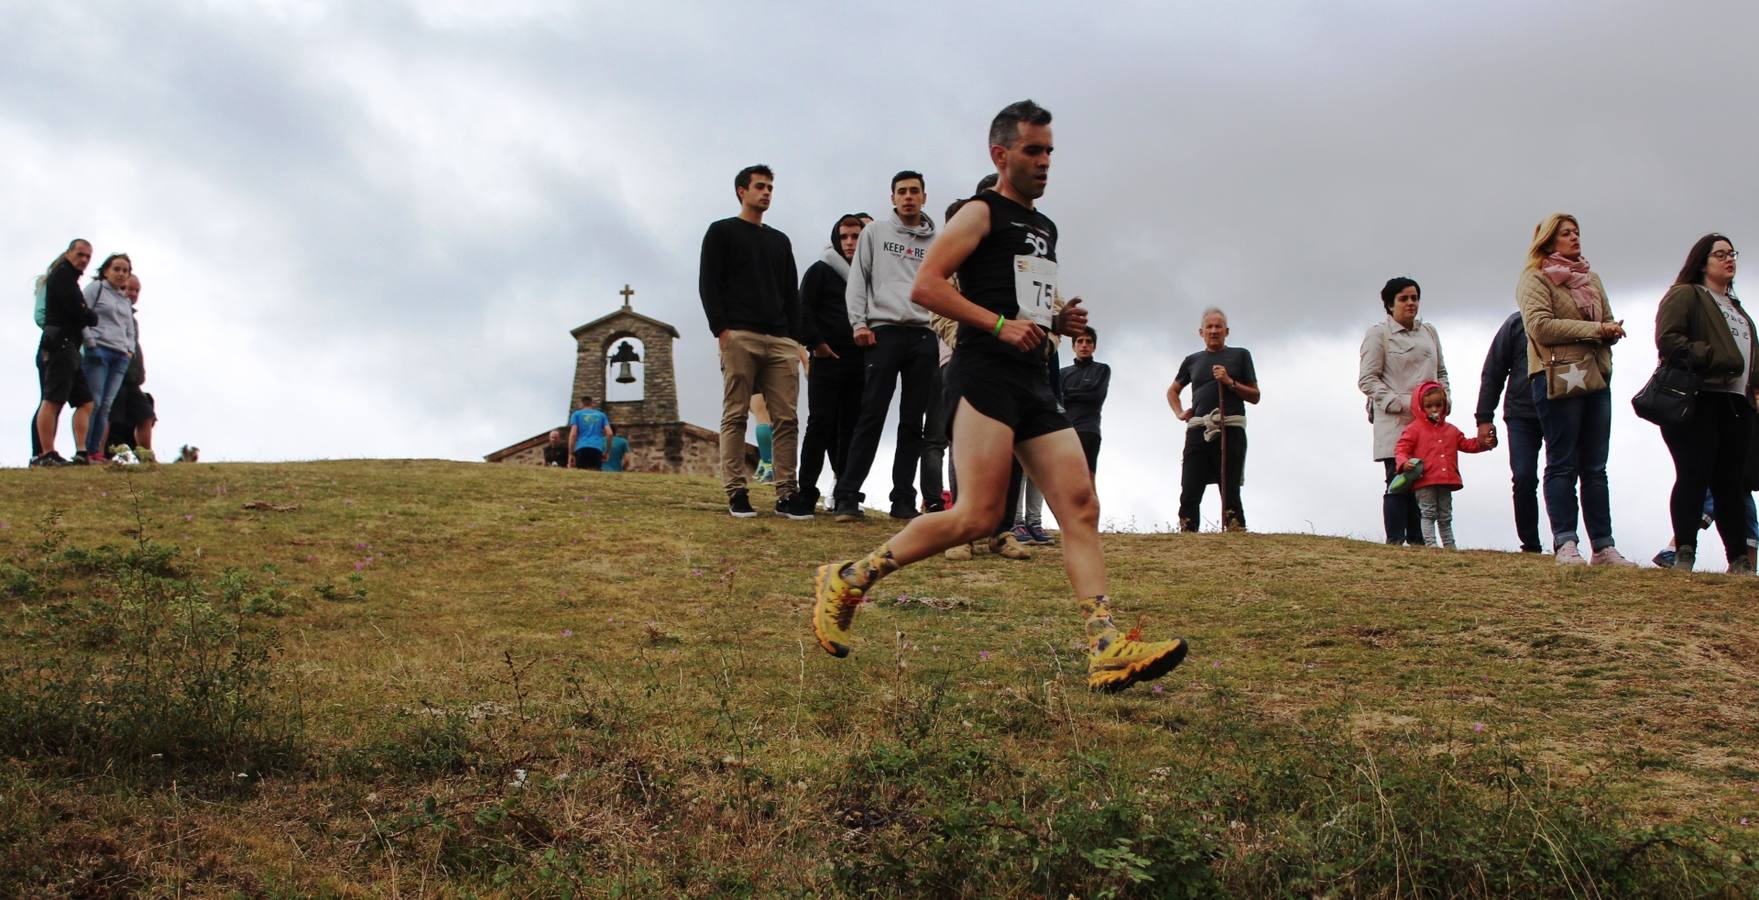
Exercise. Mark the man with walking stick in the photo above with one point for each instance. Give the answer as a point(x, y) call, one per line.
point(1222, 381)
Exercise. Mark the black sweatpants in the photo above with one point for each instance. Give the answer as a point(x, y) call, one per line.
point(833, 402)
point(901, 354)
point(1710, 451)
point(1201, 468)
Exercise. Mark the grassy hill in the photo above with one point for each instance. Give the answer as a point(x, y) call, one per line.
point(422, 678)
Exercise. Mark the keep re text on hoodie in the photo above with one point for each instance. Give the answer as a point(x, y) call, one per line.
point(886, 259)
point(1437, 443)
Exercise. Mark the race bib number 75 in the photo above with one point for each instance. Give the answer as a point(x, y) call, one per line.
point(1035, 288)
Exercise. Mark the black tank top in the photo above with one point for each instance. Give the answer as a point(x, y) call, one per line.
point(987, 276)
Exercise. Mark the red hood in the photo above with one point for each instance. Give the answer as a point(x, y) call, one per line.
point(1447, 405)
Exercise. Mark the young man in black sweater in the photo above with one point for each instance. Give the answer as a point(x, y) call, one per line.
point(747, 284)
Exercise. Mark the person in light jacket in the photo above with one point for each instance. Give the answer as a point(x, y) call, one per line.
point(1701, 325)
point(108, 346)
point(1398, 354)
point(1564, 307)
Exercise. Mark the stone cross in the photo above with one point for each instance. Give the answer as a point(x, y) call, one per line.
point(627, 292)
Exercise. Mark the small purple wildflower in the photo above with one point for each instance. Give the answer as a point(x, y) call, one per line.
point(567, 632)
point(1159, 689)
point(103, 493)
point(695, 573)
point(1743, 820)
point(360, 545)
point(983, 655)
point(359, 565)
point(1477, 727)
point(1215, 663)
point(188, 518)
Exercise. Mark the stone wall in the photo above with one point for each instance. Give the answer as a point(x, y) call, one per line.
point(675, 448)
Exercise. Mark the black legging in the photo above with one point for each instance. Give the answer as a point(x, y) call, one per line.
point(1404, 524)
point(1710, 451)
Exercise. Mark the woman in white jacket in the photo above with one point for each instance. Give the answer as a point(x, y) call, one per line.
point(1397, 354)
point(109, 345)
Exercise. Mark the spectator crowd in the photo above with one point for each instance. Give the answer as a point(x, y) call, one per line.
point(851, 323)
point(89, 357)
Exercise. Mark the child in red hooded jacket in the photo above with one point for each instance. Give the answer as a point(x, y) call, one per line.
point(1431, 439)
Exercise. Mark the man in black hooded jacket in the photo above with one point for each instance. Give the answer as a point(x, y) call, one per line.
point(834, 378)
point(65, 318)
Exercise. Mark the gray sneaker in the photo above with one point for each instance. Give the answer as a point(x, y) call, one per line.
point(1568, 555)
point(1610, 556)
point(1741, 565)
point(1684, 558)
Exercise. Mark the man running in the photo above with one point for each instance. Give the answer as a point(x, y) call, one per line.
point(1004, 252)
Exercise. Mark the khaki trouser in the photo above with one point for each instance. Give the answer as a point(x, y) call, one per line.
point(767, 365)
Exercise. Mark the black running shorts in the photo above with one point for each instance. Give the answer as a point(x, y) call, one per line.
point(58, 371)
point(1017, 396)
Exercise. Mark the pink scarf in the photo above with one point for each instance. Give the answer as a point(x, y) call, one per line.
point(1572, 274)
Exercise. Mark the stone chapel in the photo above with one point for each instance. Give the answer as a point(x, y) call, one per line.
point(632, 352)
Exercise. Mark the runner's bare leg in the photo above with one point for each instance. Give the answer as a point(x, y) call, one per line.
point(983, 450)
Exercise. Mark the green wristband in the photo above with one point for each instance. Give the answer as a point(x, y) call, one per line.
point(1000, 320)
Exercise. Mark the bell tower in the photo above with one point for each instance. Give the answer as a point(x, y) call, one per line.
point(632, 349)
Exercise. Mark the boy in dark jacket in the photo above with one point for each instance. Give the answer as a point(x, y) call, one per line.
point(1438, 445)
point(834, 376)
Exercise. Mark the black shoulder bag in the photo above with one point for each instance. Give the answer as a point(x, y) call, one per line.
point(1671, 396)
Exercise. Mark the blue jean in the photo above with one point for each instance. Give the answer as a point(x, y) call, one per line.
point(1752, 515)
point(1578, 436)
point(1526, 436)
point(104, 370)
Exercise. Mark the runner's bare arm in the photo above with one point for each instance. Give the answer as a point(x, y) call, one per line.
point(933, 292)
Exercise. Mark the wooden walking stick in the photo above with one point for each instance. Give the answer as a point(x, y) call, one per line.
point(1221, 413)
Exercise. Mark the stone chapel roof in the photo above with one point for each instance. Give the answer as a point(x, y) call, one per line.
point(625, 312)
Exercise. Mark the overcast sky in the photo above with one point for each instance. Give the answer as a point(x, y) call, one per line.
point(365, 229)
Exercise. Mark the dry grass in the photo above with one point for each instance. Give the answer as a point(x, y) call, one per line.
point(645, 662)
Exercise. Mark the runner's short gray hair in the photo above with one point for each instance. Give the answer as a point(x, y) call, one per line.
point(1212, 311)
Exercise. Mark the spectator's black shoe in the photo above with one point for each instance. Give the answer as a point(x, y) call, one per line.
point(48, 460)
point(80, 459)
point(739, 505)
point(848, 509)
point(904, 512)
point(797, 507)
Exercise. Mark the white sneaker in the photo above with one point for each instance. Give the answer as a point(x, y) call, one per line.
point(1567, 555)
point(1610, 556)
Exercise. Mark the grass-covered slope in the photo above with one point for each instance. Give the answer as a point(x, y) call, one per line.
point(414, 678)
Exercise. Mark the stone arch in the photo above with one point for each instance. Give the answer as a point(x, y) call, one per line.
point(624, 393)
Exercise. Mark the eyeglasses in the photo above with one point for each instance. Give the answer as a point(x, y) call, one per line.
point(1725, 254)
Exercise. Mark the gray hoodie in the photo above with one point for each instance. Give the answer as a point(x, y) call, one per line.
point(115, 328)
point(886, 259)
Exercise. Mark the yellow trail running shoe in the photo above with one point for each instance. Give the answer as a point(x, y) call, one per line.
point(833, 608)
point(1120, 660)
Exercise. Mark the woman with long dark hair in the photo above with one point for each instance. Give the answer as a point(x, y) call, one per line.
point(1570, 333)
point(1701, 325)
point(109, 345)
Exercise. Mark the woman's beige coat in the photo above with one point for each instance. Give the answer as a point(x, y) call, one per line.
point(1392, 362)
